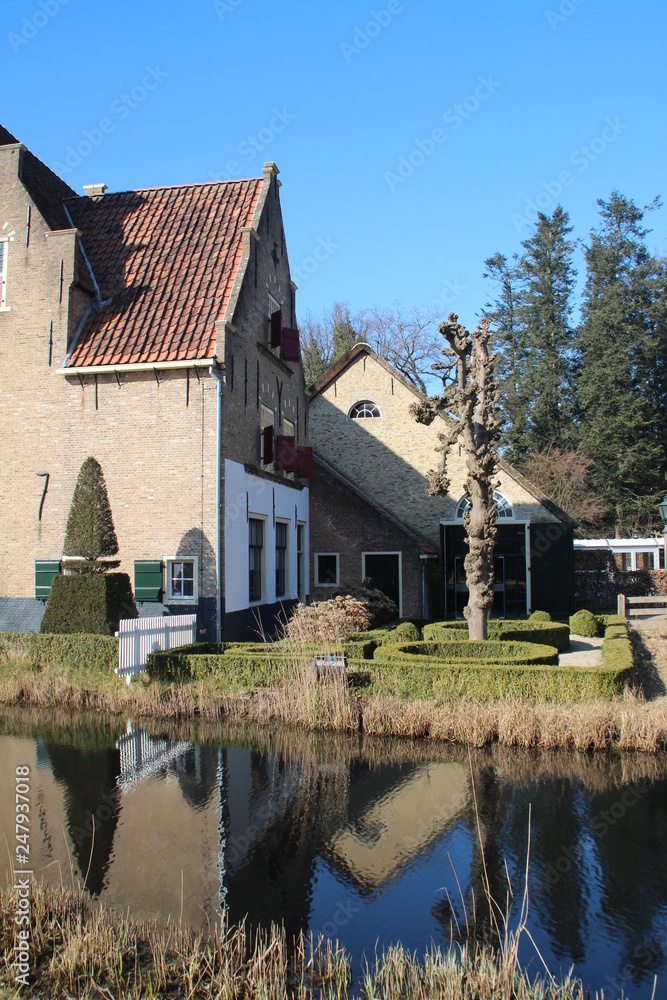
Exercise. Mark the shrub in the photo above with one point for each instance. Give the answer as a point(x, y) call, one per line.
point(380, 607)
point(406, 632)
point(584, 623)
point(233, 670)
point(540, 616)
point(90, 533)
point(458, 650)
point(508, 630)
point(77, 651)
point(88, 602)
point(326, 621)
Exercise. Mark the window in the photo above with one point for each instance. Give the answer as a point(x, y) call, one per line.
point(4, 246)
point(182, 580)
point(281, 559)
point(503, 506)
point(255, 556)
point(326, 569)
point(266, 419)
point(275, 325)
point(364, 409)
point(301, 562)
point(288, 427)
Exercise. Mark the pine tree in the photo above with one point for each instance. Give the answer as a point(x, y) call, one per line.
point(509, 344)
point(470, 401)
point(314, 364)
point(90, 532)
point(344, 334)
point(621, 386)
point(548, 279)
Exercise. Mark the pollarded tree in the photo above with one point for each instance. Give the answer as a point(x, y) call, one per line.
point(469, 402)
point(90, 533)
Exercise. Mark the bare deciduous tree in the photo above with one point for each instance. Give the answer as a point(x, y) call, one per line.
point(564, 475)
point(469, 402)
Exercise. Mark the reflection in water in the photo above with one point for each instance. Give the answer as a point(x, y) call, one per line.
point(358, 839)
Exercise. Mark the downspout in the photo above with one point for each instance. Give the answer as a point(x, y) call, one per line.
point(218, 509)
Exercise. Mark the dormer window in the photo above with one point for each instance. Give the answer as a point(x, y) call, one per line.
point(364, 409)
point(4, 246)
point(503, 506)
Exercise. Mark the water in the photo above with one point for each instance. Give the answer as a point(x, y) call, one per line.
point(357, 839)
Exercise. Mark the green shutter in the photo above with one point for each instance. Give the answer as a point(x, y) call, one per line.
point(552, 568)
point(45, 570)
point(147, 580)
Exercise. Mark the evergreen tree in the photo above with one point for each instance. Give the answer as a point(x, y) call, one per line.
point(548, 279)
point(509, 345)
point(344, 334)
point(314, 364)
point(90, 530)
point(621, 385)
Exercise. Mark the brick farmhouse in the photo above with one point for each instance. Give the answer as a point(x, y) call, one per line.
point(155, 330)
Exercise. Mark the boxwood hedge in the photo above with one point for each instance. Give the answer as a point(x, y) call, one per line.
point(77, 650)
point(507, 630)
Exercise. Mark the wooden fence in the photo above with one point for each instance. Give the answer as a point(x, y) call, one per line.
point(137, 637)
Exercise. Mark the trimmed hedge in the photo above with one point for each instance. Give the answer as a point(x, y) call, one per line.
point(617, 649)
point(77, 651)
point(234, 669)
point(438, 653)
point(506, 630)
point(584, 623)
point(88, 602)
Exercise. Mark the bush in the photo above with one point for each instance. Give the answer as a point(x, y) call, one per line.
point(406, 632)
point(88, 602)
point(505, 629)
point(584, 623)
point(380, 607)
point(540, 616)
point(456, 651)
point(234, 669)
point(326, 621)
point(77, 651)
point(617, 649)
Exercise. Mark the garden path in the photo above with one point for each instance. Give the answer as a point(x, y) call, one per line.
point(583, 652)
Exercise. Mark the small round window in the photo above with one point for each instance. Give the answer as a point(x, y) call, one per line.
point(364, 409)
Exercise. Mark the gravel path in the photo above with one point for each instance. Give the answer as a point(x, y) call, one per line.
point(583, 652)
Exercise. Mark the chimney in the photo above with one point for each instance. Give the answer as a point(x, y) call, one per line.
point(94, 190)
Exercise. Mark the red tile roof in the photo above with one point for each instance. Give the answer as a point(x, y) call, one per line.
point(165, 261)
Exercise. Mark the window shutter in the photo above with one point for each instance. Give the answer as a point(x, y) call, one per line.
point(147, 579)
point(304, 462)
point(291, 350)
point(285, 453)
point(45, 570)
point(276, 328)
point(268, 444)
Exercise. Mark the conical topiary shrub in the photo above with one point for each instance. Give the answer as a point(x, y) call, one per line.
point(90, 533)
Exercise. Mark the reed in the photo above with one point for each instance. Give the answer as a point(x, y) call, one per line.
point(81, 949)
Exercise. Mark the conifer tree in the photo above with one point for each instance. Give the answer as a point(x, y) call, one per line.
point(90, 532)
point(548, 279)
point(470, 403)
point(509, 344)
point(621, 384)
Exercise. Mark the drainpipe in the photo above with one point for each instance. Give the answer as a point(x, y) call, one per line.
point(217, 375)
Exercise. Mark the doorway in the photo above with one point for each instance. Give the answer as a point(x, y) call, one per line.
point(384, 571)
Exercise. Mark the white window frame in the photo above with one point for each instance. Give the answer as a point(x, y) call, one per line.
point(3, 274)
point(302, 560)
point(168, 563)
point(289, 428)
point(366, 416)
point(263, 596)
point(274, 306)
point(287, 593)
point(326, 583)
point(398, 553)
point(264, 412)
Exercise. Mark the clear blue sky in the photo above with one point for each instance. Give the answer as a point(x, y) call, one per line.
point(522, 96)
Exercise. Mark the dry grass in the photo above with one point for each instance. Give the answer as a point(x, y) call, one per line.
point(79, 949)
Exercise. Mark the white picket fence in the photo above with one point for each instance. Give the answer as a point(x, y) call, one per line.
point(137, 637)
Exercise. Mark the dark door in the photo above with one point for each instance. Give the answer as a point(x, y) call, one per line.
point(552, 568)
point(384, 572)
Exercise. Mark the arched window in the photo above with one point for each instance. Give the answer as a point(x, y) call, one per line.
point(503, 506)
point(364, 409)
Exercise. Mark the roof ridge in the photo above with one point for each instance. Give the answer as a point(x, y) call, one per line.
point(167, 187)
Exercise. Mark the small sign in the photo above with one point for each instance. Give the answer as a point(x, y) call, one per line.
point(335, 660)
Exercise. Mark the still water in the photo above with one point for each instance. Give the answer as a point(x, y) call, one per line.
point(369, 841)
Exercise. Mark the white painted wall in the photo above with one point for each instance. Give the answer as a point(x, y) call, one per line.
point(247, 493)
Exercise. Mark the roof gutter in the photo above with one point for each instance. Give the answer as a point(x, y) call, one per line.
point(140, 366)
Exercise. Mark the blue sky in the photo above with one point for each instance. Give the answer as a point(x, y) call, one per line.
point(414, 137)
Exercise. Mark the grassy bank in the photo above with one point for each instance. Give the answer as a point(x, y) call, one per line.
point(79, 949)
point(287, 690)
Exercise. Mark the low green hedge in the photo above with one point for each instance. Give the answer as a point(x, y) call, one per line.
point(437, 653)
point(92, 603)
point(507, 630)
point(234, 669)
point(482, 682)
point(76, 651)
point(617, 649)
